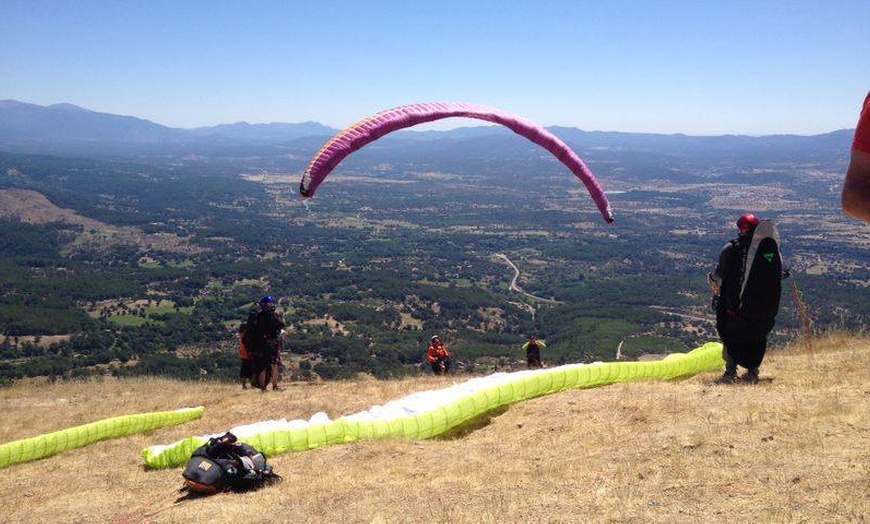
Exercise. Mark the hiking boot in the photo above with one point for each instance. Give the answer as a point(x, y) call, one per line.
point(275, 387)
point(729, 377)
point(751, 376)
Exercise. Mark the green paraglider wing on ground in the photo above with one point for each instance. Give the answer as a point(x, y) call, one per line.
point(430, 413)
point(48, 444)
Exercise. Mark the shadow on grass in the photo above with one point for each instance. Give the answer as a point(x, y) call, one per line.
point(472, 425)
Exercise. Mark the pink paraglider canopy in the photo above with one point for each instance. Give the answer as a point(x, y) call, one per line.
point(374, 127)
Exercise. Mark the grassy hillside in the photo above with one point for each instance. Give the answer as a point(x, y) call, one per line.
point(794, 448)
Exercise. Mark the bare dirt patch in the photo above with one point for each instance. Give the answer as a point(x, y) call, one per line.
point(409, 322)
point(34, 208)
point(334, 325)
point(42, 341)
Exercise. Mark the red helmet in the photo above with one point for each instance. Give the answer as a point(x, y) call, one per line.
point(747, 223)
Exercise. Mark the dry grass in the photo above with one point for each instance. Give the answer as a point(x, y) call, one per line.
point(794, 448)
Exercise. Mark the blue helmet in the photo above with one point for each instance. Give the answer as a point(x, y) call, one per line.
point(267, 300)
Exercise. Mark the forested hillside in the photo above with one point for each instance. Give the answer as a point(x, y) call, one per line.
point(147, 265)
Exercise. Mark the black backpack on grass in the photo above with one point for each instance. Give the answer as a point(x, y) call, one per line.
point(224, 464)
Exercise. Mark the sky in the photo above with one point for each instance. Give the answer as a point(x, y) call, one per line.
point(700, 67)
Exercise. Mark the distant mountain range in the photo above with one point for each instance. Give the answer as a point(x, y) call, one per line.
point(22, 122)
point(63, 127)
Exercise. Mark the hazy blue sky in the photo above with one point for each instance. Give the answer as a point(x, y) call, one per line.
point(698, 67)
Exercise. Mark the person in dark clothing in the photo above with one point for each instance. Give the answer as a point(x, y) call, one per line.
point(533, 351)
point(263, 341)
point(741, 335)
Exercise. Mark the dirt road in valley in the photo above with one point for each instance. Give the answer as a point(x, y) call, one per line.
point(678, 313)
point(518, 289)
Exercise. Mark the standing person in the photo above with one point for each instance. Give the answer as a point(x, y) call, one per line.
point(246, 366)
point(856, 187)
point(264, 333)
point(438, 356)
point(533, 351)
point(746, 303)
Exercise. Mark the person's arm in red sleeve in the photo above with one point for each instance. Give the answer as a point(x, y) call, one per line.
point(856, 187)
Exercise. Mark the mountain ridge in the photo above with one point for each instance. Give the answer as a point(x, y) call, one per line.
point(21, 121)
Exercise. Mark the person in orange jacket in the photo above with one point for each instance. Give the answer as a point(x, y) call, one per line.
point(438, 356)
point(247, 365)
